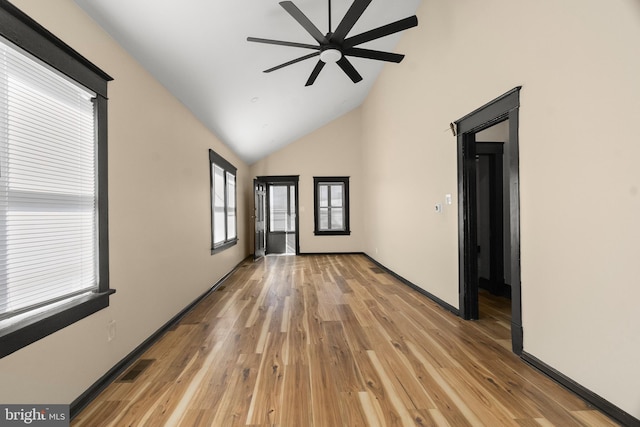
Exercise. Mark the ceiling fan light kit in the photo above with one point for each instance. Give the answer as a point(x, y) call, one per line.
point(335, 47)
point(330, 55)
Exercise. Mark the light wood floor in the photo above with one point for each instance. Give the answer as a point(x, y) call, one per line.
point(334, 341)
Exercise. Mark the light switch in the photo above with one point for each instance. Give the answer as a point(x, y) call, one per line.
point(447, 198)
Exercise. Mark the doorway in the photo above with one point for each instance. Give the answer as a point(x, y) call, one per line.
point(280, 221)
point(503, 222)
point(492, 220)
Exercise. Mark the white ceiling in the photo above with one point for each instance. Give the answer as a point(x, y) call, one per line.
point(198, 50)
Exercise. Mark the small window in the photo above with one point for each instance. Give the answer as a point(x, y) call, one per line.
point(224, 227)
point(54, 253)
point(331, 196)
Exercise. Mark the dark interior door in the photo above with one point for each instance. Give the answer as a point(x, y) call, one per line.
point(260, 194)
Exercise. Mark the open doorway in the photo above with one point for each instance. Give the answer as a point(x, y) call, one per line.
point(280, 221)
point(489, 210)
point(492, 210)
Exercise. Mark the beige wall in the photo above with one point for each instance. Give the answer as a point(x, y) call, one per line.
point(333, 150)
point(159, 219)
point(578, 62)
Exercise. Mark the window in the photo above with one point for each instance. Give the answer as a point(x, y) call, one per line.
point(224, 227)
point(54, 266)
point(331, 196)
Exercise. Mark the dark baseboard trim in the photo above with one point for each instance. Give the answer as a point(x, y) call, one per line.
point(92, 392)
point(517, 338)
point(598, 402)
point(427, 294)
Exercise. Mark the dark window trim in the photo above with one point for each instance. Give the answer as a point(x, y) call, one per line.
point(23, 31)
point(218, 160)
point(316, 205)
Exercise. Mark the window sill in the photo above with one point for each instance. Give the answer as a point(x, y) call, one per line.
point(32, 329)
point(224, 246)
point(332, 233)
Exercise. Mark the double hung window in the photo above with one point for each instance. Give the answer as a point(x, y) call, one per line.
point(331, 205)
point(53, 182)
point(224, 227)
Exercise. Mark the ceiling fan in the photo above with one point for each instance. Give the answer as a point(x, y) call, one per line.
point(336, 46)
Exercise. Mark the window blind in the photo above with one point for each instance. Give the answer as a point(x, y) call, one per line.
point(231, 206)
point(219, 233)
point(48, 217)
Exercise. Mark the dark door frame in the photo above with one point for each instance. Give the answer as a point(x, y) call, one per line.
point(500, 109)
point(284, 179)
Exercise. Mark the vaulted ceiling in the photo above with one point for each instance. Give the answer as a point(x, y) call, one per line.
point(198, 50)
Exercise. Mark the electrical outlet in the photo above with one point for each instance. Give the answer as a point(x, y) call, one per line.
point(111, 330)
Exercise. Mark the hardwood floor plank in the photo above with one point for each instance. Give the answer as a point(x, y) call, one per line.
point(172, 406)
point(262, 338)
point(394, 358)
point(528, 423)
point(491, 412)
point(593, 418)
point(333, 340)
point(359, 305)
point(136, 407)
point(377, 394)
point(297, 396)
point(533, 384)
point(235, 402)
point(102, 415)
point(497, 389)
point(325, 405)
point(286, 315)
point(391, 392)
point(351, 411)
point(449, 401)
point(353, 331)
point(372, 410)
point(341, 360)
point(266, 402)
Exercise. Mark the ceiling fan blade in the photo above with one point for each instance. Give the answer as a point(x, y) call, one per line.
point(304, 21)
point(373, 54)
point(385, 30)
point(314, 74)
point(349, 70)
point(282, 43)
point(350, 18)
point(293, 61)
